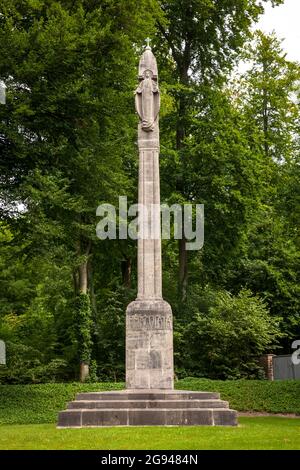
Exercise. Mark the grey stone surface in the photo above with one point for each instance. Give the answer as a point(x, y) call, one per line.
point(69, 418)
point(225, 417)
point(175, 404)
point(107, 417)
point(147, 102)
point(148, 395)
point(147, 417)
point(159, 408)
point(149, 325)
point(149, 345)
point(176, 417)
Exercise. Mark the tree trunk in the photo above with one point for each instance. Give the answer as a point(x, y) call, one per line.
point(126, 272)
point(265, 116)
point(75, 281)
point(83, 289)
point(266, 129)
point(83, 277)
point(84, 371)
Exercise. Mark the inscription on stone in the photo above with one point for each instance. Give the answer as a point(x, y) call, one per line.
point(149, 322)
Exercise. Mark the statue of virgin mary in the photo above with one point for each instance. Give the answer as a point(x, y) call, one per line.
point(147, 101)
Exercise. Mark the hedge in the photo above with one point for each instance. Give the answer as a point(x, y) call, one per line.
point(32, 404)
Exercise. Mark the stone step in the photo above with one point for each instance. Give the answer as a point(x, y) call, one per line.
point(121, 404)
point(146, 395)
point(147, 417)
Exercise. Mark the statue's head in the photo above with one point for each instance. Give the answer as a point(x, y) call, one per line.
point(148, 73)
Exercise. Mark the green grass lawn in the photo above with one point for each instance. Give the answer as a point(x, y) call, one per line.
point(28, 414)
point(252, 433)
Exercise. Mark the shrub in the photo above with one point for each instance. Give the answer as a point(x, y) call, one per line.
point(25, 365)
point(222, 335)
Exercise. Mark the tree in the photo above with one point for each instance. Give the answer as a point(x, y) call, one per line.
point(67, 144)
point(267, 95)
point(201, 39)
point(223, 335)
point(268, 92)
point(66, 131)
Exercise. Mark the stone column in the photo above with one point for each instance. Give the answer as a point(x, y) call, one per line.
point(149, 329)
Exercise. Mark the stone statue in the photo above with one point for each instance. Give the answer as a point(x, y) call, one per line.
point(149, 398)
point(147, 101)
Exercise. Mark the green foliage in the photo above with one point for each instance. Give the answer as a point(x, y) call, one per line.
point(222, 335)
point(267, 94)
point(92, 378)
point(41, 403)
point(208, 35)
point(30, 339)
point(109, 340)
point(67, 144)
point(267, 91)
point(32, 404)
point(27, 365)
point(252, 395)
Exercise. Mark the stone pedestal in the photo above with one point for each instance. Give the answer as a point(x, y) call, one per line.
point(147, 408)
point(149, 345)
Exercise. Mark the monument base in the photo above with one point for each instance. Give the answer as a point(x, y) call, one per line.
point(149, 345)
point(147, 408)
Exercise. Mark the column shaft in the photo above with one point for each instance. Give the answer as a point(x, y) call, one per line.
point(149, 245)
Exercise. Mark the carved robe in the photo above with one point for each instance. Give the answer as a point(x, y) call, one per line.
point(147, 102)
